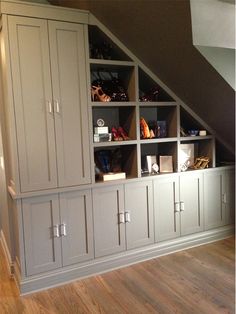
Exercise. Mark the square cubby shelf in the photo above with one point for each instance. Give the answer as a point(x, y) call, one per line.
point(117, 82)
point(155, 152)
point(115, 160)
point(120, 121)
point(161, 121)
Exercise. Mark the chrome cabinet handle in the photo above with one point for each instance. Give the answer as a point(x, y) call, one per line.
point(56, 233)
point(63, 229)
point(50, 110)
point(121, 218)
point(181, 206)
point(57, 106)
point(177, 210)
point(224, 199)
point(127, 216)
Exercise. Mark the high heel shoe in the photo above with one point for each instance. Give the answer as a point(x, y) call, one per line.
point(98, 94)
point(123, 134)
point(115, 135)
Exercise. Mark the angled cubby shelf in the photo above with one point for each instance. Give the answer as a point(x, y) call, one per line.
point(149, 90)
point(102, 47)
point(189, 126)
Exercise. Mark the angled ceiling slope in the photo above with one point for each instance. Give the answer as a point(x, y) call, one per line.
point(159, 33)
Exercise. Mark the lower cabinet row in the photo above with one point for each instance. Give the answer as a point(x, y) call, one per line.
point(73, 227)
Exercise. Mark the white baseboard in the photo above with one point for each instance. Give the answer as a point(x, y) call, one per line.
point(6, 252)
point(71, 273)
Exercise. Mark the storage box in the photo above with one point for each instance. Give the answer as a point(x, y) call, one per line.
point(102, 137)
point(114, 176)
point(101, 130)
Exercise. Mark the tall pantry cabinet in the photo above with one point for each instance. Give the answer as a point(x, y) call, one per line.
point(49, 90)
point(43, 68)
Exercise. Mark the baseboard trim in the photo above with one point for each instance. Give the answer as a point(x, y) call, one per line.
point(6, 252)
point(105, 264)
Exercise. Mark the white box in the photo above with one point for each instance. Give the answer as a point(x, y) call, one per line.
point(101, 130)
point(114, 176)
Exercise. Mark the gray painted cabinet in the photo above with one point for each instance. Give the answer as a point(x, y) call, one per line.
point(139, 214)
point(108, 212)
point(58, 230)
point(123, 217)
point(166, 208)
point(48, 72)
point(178, 205)
point(219, 198)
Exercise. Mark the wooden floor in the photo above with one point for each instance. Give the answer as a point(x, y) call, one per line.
point(199, 280)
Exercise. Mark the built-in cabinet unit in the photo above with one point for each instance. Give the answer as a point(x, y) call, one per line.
point(64, 74)
point(58, 230)
point(219, 198)
point(123, 217)
point(49, 89)
point(178, 203)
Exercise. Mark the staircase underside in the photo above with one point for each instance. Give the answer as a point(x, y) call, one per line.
point(159, 33)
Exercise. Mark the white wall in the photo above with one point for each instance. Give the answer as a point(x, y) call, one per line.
point(213, 31)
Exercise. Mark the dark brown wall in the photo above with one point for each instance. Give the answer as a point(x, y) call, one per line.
point(158, 32)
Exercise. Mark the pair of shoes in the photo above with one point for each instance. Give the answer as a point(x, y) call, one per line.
point(151, 95)
point(144, 128)
point(119, 134)
point(201, 163)
point(98, 94)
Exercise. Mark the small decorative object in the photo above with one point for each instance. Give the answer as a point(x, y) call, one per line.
point(202, 133)
point(182, 131)
point(151, 161)
point(144, 129)
point(193, 132)
point(161, 129)
point(100, 122)
point(186, 156)
point(166, 163)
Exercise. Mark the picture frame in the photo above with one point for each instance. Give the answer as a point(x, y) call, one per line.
point(186, 156)
point(166, 164)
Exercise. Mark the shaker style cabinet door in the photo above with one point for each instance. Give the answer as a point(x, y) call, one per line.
point(76, 227)
point(229, 197)
point(70, 102)
point(214, 208)
point(166, 208)
point(139, 214)
point(41, 220)
point(109, 223)
point(32, 91)
point(191, 202)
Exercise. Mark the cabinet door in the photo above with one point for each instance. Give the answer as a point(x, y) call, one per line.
point(229, 197)
point(191, 202)
point(139, 214)
point(70, 102)
point(214, 208)
point(41, 233)
point(109, 227)
point(32, 96)
point(76, 226)
point(166, 208)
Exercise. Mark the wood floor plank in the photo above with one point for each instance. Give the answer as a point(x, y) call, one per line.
point(199, 280)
